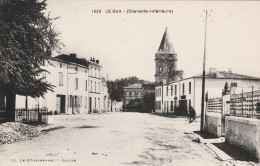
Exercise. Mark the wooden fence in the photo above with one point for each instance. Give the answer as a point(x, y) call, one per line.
point(241, 105)
point(214, 105)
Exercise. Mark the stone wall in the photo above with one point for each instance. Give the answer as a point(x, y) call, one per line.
point(245, 133)
point(213, 123)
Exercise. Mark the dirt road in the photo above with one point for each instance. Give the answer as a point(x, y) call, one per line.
point(112, 139)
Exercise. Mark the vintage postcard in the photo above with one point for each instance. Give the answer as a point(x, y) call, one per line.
point(86, 83)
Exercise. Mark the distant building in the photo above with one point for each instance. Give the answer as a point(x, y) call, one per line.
point(173, 93)
point(137, 91)
point(78, 87)
point(131, 92)
point(104, 96)
point(116, 106)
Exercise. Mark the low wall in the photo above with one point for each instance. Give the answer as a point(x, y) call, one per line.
point(213, 123)
point(245, 133)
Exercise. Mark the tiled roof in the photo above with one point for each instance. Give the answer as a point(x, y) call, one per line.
point(228, 75)
point(166, 46)
point(134, 86)
point(71, 59)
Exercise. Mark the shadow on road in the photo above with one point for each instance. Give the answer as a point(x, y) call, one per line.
point(236, 152)
point(205, 135)
point(168, 115)
point(85, 126)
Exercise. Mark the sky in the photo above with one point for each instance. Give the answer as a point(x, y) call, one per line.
point(126, 44)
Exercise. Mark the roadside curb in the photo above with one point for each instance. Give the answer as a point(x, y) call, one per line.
point(220, 154)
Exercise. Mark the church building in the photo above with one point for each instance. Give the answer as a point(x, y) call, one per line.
point(175, 94)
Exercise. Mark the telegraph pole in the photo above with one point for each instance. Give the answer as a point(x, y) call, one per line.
point(203, 76)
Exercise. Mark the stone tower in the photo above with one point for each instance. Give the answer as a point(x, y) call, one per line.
point(166, 62)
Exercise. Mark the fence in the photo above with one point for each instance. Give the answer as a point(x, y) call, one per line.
point(240, 105)
point(32, 115)
point(2, 115)
point(245, 104)
point(27, 116)
point(214, 105)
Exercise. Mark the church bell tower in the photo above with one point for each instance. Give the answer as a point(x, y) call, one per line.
point(166, 62)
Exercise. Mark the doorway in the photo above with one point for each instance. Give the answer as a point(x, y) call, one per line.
point(183, 107)
point(60, 103)
point(90, 104)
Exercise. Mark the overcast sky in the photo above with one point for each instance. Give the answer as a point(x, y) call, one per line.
point(126, 44)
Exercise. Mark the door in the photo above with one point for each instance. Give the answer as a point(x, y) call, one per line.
point(62, 102)
point(183, 107)
point(90, 104)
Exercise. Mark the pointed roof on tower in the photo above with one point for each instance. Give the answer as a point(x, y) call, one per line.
point(166, 46)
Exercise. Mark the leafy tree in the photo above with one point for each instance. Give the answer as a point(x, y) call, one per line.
point(116, 88)
point(27, 38)
point(149, 102)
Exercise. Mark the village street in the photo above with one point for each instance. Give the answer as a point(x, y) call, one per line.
point(113, 139)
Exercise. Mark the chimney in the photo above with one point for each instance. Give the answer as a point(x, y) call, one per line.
point(72, 55)
point(97, 61)
point(92, 59)
point(229, 70)
point(213, 72)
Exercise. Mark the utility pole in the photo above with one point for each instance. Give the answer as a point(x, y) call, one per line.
point(203, 76)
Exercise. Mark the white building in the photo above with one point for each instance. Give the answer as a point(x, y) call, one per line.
point(77, 82)
point(187, 92)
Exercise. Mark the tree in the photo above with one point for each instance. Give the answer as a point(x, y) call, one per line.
point(27, 39)
point(149, 102)
point(116, 88)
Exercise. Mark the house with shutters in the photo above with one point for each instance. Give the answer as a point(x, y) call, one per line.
point(77, 88)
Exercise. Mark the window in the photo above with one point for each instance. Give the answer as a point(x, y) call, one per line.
point(86, 72)
point(172, 90)
point(95, 86)
point(95, 72)
point(98, 73)
point(127, 93)
point(183, 88)
point(158, 104)
point(60, 79)
point(60, 65)
point(189, 87)
point(86, 83)
point(98, 102)
point(99, 87)
point(175, 90)
point(167, 91)
point(171, 105)
point(70, 101)
point(95, 102)
point(90, 71)
point(76, 83)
